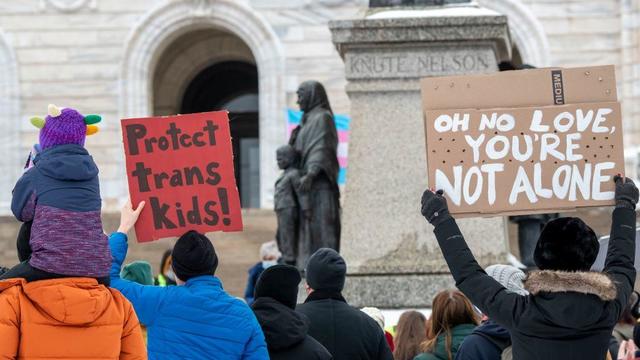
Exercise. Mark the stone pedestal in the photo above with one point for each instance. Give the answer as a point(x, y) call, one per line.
point(392, 255)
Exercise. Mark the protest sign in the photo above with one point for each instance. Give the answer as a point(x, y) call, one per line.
point(524, 141)
point(182, 167)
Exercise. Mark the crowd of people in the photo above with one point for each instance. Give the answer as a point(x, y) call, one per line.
point(70, 297)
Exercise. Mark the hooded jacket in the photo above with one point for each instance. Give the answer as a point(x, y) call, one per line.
point(70, 318)
point(485, 343)
point(286, 332)
point(458, 334)
point(61, 194)
point(346, 332)
point(197, 320)
point(567, 315)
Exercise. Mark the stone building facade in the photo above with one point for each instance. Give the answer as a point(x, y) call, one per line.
point(136, 58)
point(133, 58)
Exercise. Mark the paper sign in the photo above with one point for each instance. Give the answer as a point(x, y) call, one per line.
point(525, 159)
point(182, 167)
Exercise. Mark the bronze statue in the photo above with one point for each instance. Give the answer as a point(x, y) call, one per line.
point(316, 142)
point(290, 202)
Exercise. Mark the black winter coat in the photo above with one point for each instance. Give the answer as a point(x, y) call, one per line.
point(285, 332)
point(568, 315)
point(348, 333)
point(485, 343)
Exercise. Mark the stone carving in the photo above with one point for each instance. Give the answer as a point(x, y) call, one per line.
point(69, 5)
point(391, 3)
point(416, 63)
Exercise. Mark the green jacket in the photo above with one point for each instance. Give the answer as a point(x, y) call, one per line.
point(458, 333)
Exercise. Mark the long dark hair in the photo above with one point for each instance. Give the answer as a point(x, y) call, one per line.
point(410, 333)
point(449, 309)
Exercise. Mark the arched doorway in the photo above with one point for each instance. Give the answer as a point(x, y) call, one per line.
point(233, 86)
point(154, 37)
point(527, 32)
point(208, 70)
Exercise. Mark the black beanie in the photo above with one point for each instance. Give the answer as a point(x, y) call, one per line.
point(326, 270)
point(566, 244)
point(279, 282)
point(193, 255)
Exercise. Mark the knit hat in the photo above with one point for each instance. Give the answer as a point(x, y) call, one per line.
point(566, 244)
point(270, 248)
point(64, 126)
point(139, 272)
point(375, 314)
point(193, 255)
point(508, 276)
point(326, 270)
point(279, 282)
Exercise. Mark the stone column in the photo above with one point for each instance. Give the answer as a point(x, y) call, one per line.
point(392, 255)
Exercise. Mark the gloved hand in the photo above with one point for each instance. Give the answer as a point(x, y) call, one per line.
point(434, 207)
point(626, 195)
point(634, 300)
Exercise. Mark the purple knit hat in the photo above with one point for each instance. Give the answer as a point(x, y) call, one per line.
point(64, 126)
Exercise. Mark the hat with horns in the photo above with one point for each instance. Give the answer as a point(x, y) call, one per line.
point(64, 126)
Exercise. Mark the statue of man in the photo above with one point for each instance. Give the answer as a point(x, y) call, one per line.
point(316, 140)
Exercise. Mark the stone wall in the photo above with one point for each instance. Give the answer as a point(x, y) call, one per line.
point(73, 55)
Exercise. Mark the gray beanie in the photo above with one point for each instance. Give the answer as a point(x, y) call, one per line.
point(508, 276)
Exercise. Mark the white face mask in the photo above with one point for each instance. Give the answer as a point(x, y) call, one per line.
point(268, 263)
point(170, 275)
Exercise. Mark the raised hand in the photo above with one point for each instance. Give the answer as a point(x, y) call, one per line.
point(434, 207)
point(626, 194)
point(129, 216)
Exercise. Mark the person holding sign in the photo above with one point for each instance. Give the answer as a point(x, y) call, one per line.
point(570, 312)
point(196, 319)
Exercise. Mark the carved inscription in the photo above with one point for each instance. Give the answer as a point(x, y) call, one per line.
point(412, 65)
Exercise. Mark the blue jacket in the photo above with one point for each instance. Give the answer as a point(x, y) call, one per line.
point(254, 273)
point(61, 194)
point(198, 320)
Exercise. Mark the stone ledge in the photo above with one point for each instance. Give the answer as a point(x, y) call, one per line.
point(392, 292)
point(364, 33)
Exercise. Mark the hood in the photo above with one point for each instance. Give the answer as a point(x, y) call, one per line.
point(282, 326)
point(570, 300)
point(66, 162)
point(494, 333)
point(71, 301)
point(593, 283)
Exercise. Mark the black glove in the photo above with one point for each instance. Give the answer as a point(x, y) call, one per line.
point(634, 305)
point(434, 207)
point(626, 193)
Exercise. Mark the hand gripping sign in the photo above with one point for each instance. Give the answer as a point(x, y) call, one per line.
point(524, 141)
point(182, 167)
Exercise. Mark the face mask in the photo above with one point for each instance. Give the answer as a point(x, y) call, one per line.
point(268, 263)
point(170, 275)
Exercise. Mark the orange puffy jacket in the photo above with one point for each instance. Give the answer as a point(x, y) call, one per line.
point(70, 318)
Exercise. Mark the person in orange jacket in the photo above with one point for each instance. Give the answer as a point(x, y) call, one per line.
point(67, 318)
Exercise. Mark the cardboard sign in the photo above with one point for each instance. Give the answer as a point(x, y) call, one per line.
point(182, 167)
point(530, 147)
